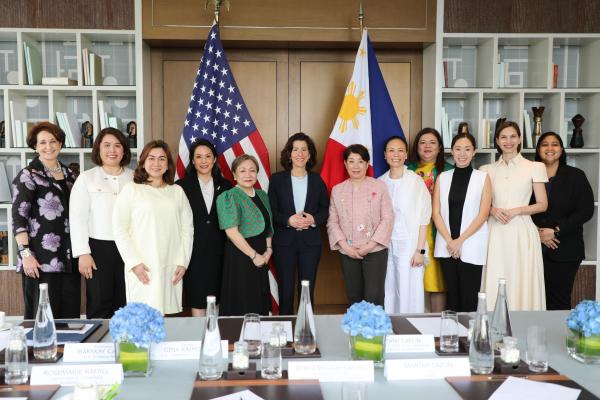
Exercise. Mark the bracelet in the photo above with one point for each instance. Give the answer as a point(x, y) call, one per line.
point(269, 247)
point(254, 256)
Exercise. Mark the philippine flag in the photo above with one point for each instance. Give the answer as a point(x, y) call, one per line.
point(367, 117)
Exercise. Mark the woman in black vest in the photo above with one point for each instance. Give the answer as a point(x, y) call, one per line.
point(570, 205)
point(300, 205)
point(202, 184)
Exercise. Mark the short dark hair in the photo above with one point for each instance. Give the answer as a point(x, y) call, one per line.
point(190, 169)
point(141, 176)
point(285, 159)
point(465, 135)
point(562, 160)
point(501, 127)
point(357, 149)
point(240, 159)
point(49, 127)
point(403, 140)
point(120, 137)
point(414, 150)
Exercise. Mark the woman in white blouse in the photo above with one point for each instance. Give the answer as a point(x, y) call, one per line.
point(404, 291)
point(90, 213)
point(154, 231)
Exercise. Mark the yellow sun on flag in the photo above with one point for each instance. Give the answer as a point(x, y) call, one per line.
point(351, 108)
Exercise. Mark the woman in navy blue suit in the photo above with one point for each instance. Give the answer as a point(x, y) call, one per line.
point(300, 206)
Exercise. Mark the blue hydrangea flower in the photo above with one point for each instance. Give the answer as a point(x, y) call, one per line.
point(139, 324)
point(366, 319)
point(585, 318)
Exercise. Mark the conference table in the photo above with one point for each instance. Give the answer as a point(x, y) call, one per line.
point(174, 380)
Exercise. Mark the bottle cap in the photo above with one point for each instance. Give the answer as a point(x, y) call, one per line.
point(211, 299)
point(502, 281)
point(304, 283)
point(481, 295)
point(43, 286)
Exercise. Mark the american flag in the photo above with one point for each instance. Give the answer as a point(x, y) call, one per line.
point(217, 113)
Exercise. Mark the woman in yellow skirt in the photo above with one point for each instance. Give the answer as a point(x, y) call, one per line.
point(427, 160)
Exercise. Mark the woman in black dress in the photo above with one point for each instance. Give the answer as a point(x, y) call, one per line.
point(570, 205)
point(245, 215)
point(202, 184)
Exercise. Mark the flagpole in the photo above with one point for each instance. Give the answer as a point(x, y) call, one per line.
point(217, 4)
point(361, 16)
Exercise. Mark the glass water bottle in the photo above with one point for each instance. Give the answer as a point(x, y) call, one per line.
point(500, 319)
point(44, 330)
point(481, 354)
point(16, 357)
point(305, 338)
point(210, 350)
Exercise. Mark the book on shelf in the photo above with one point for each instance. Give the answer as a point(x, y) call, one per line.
point(114, 122)
point(527, 138)
point(33, 61)
point(102, 115)
point(95, 69)
point(554, 76)
point(58, 80)
point(445, 74)
point(85, 58)
point(5, 195)
point(485, 126)
point(69, 126)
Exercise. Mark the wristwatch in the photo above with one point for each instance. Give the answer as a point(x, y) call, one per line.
point(422, 251)
point(24, 250)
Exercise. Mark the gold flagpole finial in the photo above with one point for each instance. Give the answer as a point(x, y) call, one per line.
point(361, 16)
point(217, 4)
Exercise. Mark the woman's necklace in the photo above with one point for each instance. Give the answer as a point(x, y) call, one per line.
point(55, 170)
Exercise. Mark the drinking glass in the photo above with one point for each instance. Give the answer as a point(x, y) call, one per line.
point(353, 391)
point(251, 333)
point(449, 332)
point(16, 358)
point(537, 351)
point(270, 362)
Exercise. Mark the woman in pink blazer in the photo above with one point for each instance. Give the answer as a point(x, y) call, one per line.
point(360, 224)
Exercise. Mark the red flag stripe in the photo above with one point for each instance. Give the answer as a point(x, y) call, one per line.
point(261, 150)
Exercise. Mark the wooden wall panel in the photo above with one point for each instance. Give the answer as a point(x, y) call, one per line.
point(585, 284)
point(68, 14)
point(522, 16)
point(261, 77)
point(283, 21)
point(11, 294)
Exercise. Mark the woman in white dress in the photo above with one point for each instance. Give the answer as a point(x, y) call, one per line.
point(90, 213)
point(461, 205)
point(404, 292)
point(514, 249)
point(154, 232)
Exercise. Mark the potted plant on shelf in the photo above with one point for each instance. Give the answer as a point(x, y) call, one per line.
point(367, 325)
point(583, 342)
point(134, 328)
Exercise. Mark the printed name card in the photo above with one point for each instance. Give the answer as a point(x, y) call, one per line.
point(426, 368)
point(332, 371)
point(70, 375)
point(89, 352)
point(183, 350)
point(409, 344)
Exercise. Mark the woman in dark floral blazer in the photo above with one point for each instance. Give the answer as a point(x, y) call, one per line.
point(40, 215)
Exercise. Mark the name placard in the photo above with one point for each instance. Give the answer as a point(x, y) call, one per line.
point(89, 352)
point(182, 350)
point(69, 375)
point(426, 368)
point(409, 344)
point(332, 371)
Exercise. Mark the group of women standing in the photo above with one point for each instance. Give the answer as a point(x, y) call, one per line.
point(426, 227)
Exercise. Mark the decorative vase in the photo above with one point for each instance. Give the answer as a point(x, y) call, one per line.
point(135, 360)
point(585, 349)
point(577, 138)
point(362, 348)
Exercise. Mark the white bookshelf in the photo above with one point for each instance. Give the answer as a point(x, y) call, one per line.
point(468, 84)
point(125, 62)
